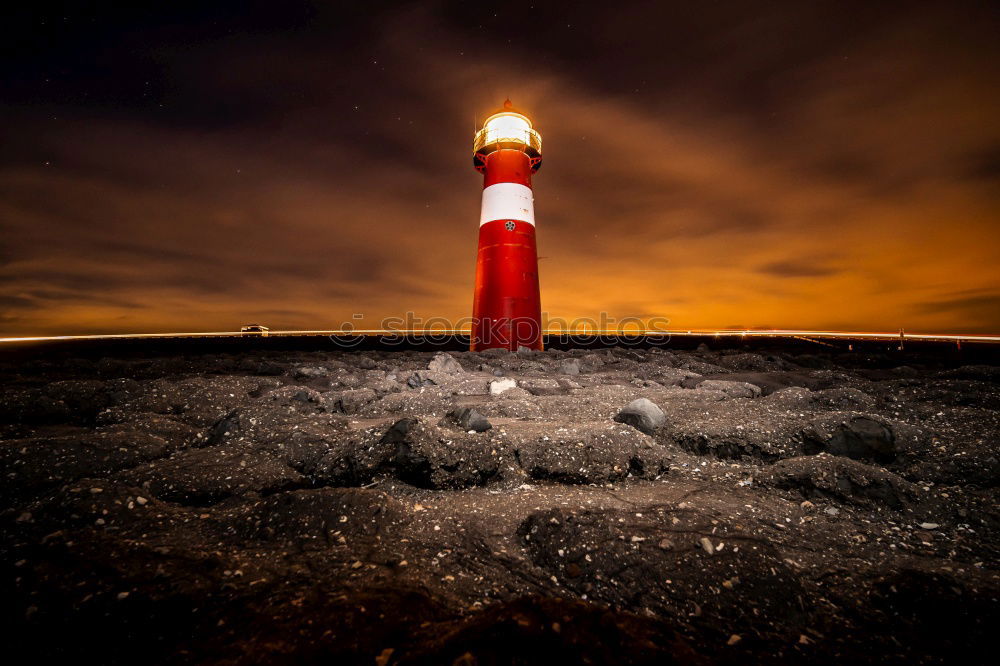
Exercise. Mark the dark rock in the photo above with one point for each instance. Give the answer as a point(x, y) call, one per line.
point(642, 414)
point(833, 477)
point(469, 419)
point(26, 407)
point(346, 459)
point(588, 453)
point(224, 428)
point(951, 392)
point(349, 402)
point(420, 378)
point(734, 440)
point(835, 398)
point(296, 397)
point(856, 436)
point(424, 455)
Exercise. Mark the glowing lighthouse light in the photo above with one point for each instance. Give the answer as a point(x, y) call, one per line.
point(507, 127)
point(506, 308)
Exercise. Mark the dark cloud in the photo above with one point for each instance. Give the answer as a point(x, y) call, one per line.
point(797, 269)
point(985, 165)
point(980, 309)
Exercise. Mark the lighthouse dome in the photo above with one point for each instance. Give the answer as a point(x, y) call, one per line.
point(507, 128)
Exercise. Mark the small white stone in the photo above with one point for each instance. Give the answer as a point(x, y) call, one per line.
point(498, 386)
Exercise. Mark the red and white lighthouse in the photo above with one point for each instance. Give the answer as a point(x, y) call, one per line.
point(506, 310)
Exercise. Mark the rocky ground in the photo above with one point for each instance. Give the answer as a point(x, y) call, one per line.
point(395, 507)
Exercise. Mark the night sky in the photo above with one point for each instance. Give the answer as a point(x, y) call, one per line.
point(200, 165)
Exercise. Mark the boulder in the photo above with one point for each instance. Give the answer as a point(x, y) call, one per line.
point(425, 378)
point(643, 415)
point(857, 436)
point(445, 363)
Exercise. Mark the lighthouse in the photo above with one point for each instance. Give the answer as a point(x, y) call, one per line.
point(506, 308)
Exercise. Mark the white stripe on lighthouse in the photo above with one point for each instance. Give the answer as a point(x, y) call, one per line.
point(507, 201)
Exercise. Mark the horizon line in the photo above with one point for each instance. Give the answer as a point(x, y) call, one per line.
point(719, 333)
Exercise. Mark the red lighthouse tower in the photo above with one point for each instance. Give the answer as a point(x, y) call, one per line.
point(506, 310)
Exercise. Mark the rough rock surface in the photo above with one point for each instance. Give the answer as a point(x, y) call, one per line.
point(445, 363)
point(824, 477)
point(788, 505)
point(468, 418)
point(643, 415)
point(730, 388)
